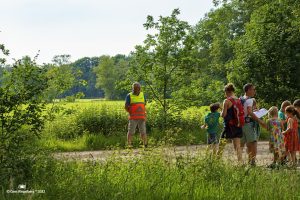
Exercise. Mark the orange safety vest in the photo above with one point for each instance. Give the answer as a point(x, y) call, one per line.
point(137, 106)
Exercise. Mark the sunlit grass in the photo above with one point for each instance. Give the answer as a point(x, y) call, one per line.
point(156, 174)
point(78, 144)
point(100, 124)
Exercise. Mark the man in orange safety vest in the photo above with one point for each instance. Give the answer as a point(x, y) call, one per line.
point(135, 105)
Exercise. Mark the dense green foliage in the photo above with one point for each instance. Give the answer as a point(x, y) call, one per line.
point(21, 119)
point(110, 72)
point(162, 62)
point(239, 42)
point(103, 124)
point(86, 66)
point(94, 125)
point(269, 51)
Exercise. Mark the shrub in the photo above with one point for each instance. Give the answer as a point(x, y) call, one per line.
point(105, 120)
point(64, 127)
point(21, 119)
point(190, 118)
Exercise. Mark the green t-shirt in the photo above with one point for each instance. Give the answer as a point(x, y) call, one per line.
point(212, 121)
point(281, 116)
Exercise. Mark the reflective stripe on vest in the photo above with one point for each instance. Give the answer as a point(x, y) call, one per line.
point(137, 106)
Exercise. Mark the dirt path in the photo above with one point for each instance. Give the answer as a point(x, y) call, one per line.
point(264, 157)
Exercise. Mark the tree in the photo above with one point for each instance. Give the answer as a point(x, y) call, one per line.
point(61, 59)
point(5, 52)
point(163, 62)
point(86, 65)
point(61, 77)
point(268, 53)
point(215, 35)
point(21, 119)
point(109, 73)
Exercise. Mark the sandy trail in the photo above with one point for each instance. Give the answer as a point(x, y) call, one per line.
point(264, 157)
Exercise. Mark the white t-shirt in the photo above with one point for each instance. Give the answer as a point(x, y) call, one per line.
point(248, 103)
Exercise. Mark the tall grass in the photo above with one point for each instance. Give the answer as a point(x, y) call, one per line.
point(102, 124)
point(153, 175)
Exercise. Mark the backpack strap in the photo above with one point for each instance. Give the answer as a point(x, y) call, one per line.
point(232, 100)
point(243, 99)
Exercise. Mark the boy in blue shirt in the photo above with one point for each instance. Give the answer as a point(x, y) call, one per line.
point(211, 124)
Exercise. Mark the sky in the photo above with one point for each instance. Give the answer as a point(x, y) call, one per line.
point(83, 28)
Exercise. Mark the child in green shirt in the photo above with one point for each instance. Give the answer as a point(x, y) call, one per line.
point(211, 124)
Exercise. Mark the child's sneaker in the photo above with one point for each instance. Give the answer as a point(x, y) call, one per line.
point(272, 165)
point(252, 163)
point(145, 147)
point(284, 162)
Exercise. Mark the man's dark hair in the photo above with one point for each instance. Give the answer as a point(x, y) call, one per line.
point(214, 107)
point(247, 87)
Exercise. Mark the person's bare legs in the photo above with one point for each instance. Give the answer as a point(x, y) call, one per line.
point(222, 144)
point(238, 149)
point(144, 139)
point(293, 156)
point(289, 155)
point(214, 149)
point(129, 139)
point(252, 151)
point(249, 151)
point(242, 147)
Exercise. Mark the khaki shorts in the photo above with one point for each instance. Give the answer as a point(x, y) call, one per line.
point(249, 133)
point(134, 123)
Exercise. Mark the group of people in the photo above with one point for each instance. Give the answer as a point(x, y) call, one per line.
point(241, 125)
point(283, 126)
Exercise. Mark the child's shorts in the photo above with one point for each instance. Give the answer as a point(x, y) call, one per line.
point(212, 138)
point(249, 133)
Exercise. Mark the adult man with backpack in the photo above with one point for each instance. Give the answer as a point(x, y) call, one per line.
point(249, 131)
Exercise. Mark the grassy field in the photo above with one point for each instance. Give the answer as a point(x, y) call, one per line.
point(99, 124)
point(91, 125)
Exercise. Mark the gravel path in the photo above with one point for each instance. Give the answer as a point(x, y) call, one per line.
point(264, 157)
